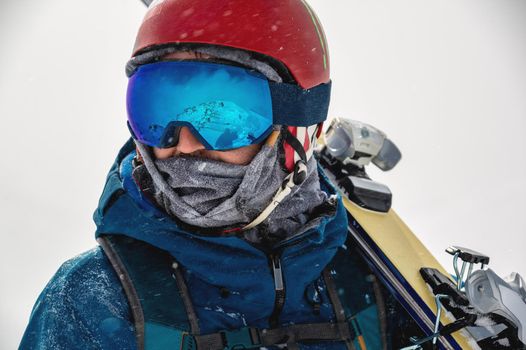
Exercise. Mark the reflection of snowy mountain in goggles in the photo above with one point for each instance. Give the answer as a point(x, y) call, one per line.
point(221, 122)
point(224, 123)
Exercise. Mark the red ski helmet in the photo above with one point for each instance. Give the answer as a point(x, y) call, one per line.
point(287, 31)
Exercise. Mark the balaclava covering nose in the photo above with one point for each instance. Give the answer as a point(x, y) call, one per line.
point(211, 194)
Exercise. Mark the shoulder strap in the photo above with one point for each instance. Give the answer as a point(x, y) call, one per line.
point(339, 311)
point(161, 308)
point(356, 297)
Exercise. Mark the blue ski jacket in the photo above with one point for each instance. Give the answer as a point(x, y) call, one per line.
point(85, 307)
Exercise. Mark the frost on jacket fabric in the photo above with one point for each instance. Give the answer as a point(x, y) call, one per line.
point(84, 305)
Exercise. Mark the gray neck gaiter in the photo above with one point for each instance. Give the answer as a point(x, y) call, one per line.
point(212, 194)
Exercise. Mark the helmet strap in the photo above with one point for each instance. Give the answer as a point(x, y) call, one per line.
point(299, 173)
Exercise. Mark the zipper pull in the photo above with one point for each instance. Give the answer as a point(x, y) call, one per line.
point(278, 273)
point(279, 287)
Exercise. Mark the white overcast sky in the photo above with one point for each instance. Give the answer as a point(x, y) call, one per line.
point(446, 80)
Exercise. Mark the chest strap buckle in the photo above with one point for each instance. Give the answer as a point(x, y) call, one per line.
point(244, 338)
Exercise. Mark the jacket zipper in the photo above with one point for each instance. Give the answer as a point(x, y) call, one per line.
point(279, 288)
point(279, 284)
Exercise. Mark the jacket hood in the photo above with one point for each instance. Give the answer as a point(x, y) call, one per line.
point(215, 260)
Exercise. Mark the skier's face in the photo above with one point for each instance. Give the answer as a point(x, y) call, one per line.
point(190, 145)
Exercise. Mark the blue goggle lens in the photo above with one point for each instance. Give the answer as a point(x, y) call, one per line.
point(225, 107)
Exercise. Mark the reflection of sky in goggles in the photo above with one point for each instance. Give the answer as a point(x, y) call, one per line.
point(224, 106)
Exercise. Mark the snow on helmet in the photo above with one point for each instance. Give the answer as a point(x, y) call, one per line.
point(287, 31)
point(284, 34)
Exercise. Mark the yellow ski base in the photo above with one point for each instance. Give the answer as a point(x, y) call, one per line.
point(404, 250)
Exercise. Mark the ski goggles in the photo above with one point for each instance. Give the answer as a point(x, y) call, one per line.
point(224, 106)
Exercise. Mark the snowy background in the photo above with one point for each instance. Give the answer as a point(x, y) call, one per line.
point(446, 80)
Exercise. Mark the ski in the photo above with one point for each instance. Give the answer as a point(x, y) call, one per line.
point(453, 313)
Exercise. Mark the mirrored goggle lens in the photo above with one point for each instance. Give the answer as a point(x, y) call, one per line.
point(226, 107)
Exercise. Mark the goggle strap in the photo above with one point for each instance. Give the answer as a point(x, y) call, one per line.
point(293, 105)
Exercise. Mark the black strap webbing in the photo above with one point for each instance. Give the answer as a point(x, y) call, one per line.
point(295, 144)
point(249, 338)
point(155, 289)
point(339, 312)
point(129, 289)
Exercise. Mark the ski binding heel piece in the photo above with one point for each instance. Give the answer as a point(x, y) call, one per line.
point(350, 146)
point(490, 308)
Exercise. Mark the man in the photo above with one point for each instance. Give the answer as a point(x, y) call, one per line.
point(217, 229)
